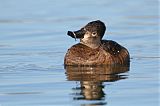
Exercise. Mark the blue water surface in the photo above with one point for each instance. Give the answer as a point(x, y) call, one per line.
point(33, 43)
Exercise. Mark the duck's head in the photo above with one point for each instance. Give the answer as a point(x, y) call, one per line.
point(91, 34)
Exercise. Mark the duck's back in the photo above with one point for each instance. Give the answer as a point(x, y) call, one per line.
point(109, 53)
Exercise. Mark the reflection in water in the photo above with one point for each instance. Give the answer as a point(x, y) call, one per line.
point(90, 90)
point(91, 80)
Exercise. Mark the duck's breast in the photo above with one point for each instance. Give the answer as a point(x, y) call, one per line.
point(109, 53)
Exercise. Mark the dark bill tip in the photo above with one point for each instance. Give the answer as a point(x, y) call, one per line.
point(76, 34)
point(70, 33)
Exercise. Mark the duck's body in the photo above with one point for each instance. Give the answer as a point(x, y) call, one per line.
point(93, 51)
point(109, 53)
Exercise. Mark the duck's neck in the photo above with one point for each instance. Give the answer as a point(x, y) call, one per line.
point(91, 42)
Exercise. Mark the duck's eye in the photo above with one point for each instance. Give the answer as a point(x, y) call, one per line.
point(94, 33)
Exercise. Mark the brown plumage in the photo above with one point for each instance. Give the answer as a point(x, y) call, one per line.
point(108, 53)
point(92, 50)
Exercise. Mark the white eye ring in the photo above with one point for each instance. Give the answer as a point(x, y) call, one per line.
point(94, 34)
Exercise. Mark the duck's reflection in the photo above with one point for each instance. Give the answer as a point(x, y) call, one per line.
point(91, 90)
point(91, 79)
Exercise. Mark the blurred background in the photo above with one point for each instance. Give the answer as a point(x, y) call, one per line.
point(33, 42)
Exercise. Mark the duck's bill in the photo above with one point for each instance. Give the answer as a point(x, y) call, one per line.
point(76, 34)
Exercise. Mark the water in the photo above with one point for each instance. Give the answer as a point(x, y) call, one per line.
point(33, 43)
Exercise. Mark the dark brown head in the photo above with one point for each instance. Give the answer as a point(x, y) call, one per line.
point(93, 29)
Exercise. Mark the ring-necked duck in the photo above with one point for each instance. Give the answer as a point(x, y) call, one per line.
point(92, 50)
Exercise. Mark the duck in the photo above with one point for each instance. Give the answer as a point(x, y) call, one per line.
point(92, 50)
